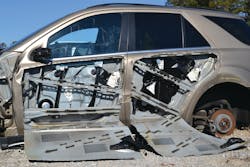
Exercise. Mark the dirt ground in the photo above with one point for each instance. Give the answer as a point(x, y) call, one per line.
point(237, 158)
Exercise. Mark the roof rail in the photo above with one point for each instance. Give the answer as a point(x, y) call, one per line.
point(162, 6)
point(117, 4)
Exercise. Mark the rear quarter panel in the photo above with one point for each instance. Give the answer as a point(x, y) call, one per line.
point(232, 66)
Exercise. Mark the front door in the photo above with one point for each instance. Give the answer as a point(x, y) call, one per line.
point(72, 105)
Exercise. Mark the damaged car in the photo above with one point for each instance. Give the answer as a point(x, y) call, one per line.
point(112, 80)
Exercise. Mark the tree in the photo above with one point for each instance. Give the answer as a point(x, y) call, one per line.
point(190, 3)
point(247, 10)
point(233, 6)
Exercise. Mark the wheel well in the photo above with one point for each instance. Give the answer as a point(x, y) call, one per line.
point(237, 95)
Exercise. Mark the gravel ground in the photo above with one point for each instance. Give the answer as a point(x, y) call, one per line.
point(15, 158)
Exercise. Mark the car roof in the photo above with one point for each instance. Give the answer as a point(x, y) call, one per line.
point(200, 11)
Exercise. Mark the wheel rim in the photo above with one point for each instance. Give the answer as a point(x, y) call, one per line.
point(224, 122)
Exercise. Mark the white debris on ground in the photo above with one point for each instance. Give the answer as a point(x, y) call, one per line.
point(15, 158)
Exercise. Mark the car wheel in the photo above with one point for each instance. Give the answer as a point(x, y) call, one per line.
point(215, 118)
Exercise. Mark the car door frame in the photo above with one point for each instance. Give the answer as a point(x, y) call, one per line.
point(188, 105)
point(25, 61)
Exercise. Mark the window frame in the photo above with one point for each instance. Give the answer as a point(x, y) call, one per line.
point(185, 36)
point(132, 33)
point(123, 40)
point(226, 29)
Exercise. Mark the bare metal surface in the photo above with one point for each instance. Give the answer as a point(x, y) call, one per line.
point(115, 106)
point(145, 113)
point(236, 158)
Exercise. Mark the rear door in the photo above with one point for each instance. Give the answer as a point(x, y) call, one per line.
point(168, 59)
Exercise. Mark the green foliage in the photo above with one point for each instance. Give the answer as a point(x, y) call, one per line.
point(247, 9)
point(233, 6)
point(190, 3)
